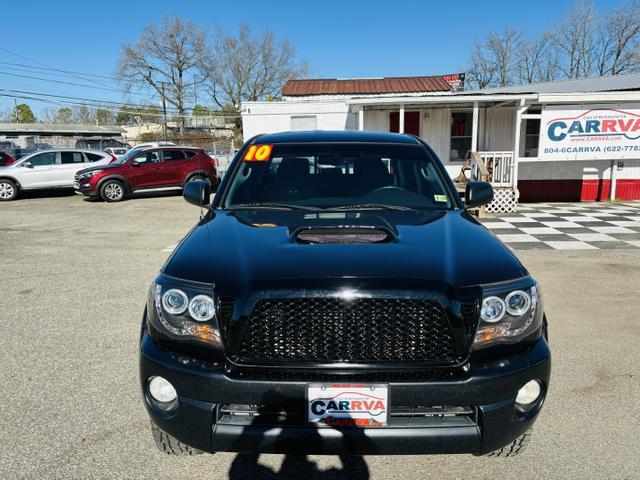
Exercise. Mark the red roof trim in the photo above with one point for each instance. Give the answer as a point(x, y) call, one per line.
point(365, 86)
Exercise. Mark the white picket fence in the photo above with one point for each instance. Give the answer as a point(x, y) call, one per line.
point(500, 170)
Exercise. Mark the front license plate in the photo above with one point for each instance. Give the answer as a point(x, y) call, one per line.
point(352, 405)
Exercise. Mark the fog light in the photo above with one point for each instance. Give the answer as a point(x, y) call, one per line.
point(161, 390)
point(529, 393)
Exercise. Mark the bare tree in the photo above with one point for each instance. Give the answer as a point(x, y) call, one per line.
point(164, 60)
point(84, 115)
point(247, 67)
point(619, 40)
point(493, 61)
point(58, 115)
point(575, 40)
point(536, 60)
point(502, 48)
point(481, 71)
point(105, 117)
point(48, 115)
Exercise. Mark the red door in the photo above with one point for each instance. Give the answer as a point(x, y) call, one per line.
point(176, 166)
point(144, 171)
point(411, 122)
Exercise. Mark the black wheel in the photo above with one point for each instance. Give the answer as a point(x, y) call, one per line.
point(171, 445)
point(514, 448)
point(112, 191)
point(199, 177)
point(8, 190)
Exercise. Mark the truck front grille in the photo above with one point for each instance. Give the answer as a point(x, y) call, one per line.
point(357, 331)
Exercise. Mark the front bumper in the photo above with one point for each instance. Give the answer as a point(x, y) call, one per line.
point(83, 187)
point(489, 388)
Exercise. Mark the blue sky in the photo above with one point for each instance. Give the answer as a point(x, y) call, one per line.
point(337, 38)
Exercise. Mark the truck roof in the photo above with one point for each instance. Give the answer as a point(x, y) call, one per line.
point(338, 136)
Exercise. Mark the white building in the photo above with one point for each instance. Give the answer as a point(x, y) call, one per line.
point(557, 141)
point(25, 135)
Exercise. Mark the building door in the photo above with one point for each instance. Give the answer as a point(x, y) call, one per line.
point(411, 122)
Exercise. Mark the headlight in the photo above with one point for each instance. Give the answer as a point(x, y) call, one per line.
point(90, 174)
point(184, 311)
point(509, 313)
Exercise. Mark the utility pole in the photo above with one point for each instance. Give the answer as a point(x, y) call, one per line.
point(164, 113)
point(15, 108)
point(195, 101)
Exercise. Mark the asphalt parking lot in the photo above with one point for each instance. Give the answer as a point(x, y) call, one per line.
point(74, 276)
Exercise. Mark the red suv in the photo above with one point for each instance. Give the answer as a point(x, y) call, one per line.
point(6, 159)
point(146, 169)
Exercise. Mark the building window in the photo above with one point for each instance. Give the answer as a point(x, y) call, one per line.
point(304, 122)
point(461, 124)
point(532, 137)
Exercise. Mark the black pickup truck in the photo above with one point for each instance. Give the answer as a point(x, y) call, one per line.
point(337, 297)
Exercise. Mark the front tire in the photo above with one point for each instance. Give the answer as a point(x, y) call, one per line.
point(112, 191)
point(199, 177)
point(514, 448)
point(8, 190)
point(171, 445)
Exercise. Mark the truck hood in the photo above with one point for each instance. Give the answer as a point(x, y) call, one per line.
point(248, 250)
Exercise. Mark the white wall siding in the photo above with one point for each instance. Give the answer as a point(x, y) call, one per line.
point(499, 129)
point(273, 117)
point(435, 129)
point(576, 170)
point(376, 120)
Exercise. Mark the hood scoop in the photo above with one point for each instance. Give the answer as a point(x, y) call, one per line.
point(342, 235)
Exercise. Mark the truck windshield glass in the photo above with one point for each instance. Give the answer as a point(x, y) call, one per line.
point(329, 176)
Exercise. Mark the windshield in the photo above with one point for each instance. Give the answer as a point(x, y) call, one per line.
point(132, 153)
point(343, 176)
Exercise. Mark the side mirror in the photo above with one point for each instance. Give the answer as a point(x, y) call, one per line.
point(134, 163)
point(477, 194)
point(197, 192)
point(27, 164)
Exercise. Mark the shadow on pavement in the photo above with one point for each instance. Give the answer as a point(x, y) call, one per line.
point(247, 466)
point(294, 466)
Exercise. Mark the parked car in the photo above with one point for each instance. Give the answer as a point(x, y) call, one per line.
point(154, 145)
point(46, 170)
point(146, 169)
point(116, 151)
point(357, 308)
point(101, 143)
point(21, 152)
point(8, 145)
point(6, 159)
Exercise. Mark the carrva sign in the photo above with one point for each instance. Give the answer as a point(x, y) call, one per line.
point(590, 133)
point(340, 405)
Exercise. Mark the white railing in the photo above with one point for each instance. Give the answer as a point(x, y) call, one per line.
point(498, 168)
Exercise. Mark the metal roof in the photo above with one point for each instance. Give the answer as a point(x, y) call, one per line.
point(58, 129)
point(365, 86)
point(595, 84)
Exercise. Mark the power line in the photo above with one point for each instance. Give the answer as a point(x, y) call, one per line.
point(64, 72)
point(42, 64)
point(61, 82)
point(96, 102)
point(22, 68)
point(79, 101)
point(81, 75)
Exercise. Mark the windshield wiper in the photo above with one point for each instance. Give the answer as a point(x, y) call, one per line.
point(270, 205)
point(372, 206)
